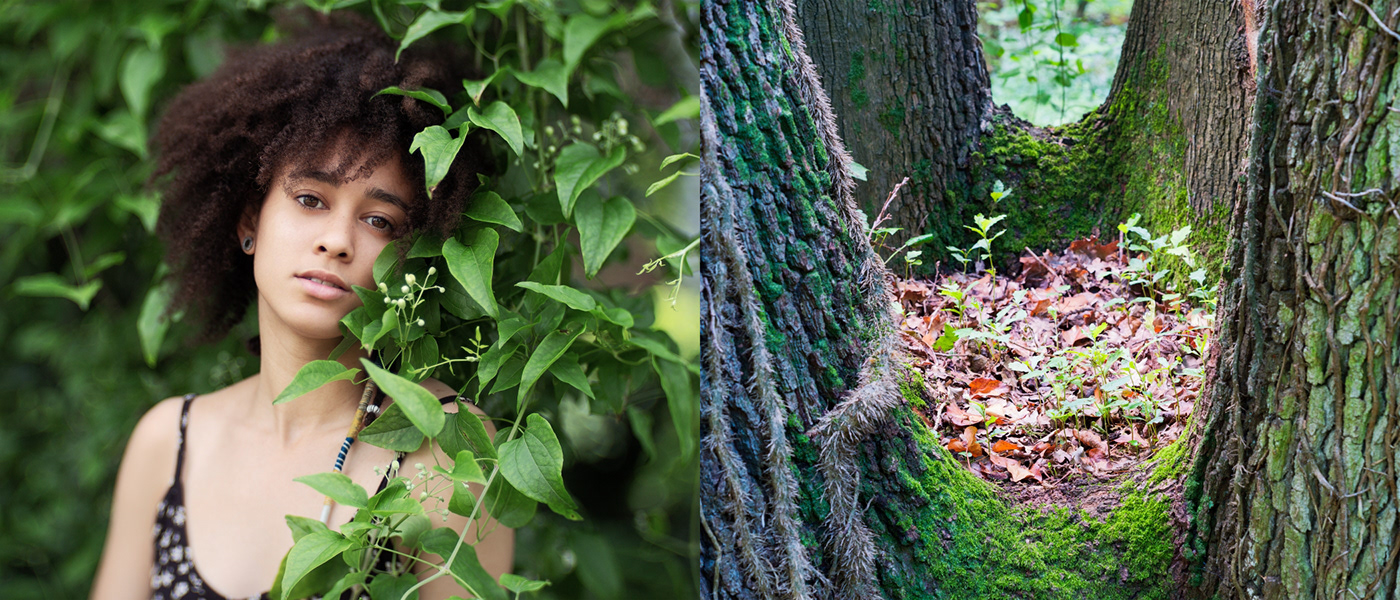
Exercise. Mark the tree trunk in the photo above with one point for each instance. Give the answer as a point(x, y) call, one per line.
point(1294, 487)
point(910, 86)
point(910, 90)
point(792, 298)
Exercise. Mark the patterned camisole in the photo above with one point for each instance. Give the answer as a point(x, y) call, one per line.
point(173, 572)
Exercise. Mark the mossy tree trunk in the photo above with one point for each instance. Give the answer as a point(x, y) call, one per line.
point(817, 479)
point(910, 89)
point(1294, 487)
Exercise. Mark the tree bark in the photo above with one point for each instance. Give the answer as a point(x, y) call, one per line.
point(791, 299)
point(1293, 489)
point(910, 88)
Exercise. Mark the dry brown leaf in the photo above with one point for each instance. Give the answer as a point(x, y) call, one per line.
point(961, 418)
point(1094, 445)
point(969, 440)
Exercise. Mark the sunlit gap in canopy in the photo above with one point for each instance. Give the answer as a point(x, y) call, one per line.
point(1052, 61)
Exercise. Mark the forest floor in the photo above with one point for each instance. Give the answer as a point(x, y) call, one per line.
point(1068, 375)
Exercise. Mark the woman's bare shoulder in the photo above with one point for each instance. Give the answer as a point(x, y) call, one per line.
point(157, 433)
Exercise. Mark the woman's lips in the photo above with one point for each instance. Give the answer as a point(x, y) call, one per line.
point(322, 289)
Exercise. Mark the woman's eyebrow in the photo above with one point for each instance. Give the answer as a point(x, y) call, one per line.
point(376, 193)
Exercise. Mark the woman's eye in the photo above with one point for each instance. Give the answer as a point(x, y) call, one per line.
point(309, 201)
point(379, 223)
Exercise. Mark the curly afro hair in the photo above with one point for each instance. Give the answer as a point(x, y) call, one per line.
point(222, 140)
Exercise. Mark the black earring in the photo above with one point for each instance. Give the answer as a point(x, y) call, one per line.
point(248, 244)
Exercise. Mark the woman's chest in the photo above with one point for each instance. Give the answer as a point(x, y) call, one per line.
point(238, 495)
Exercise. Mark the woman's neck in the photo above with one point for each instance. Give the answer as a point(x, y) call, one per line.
point(283, 353)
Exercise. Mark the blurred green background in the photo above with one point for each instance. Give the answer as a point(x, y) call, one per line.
point(81, 84)
point(1052, 60)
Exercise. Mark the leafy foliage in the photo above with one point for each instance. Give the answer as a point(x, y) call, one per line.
point(573, 368)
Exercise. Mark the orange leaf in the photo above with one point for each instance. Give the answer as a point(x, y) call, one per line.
point(957, 446)
point(1094, 446)
point(986, 386)
point(1005, 446)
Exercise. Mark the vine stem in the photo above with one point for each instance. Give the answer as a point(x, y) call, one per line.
point(476, 510)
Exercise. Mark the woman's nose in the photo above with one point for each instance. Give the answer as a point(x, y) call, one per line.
point(337, 238)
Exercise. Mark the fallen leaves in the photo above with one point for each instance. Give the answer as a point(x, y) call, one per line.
point(1062, 369)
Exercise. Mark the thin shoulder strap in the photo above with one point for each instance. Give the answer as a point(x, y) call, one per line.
point(184, 422)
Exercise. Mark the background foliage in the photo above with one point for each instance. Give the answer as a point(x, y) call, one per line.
point(88, 352)
point(1052, 60)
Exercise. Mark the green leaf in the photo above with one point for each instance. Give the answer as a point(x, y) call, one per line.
point(549, 350)
point(309, 552)
point(491, 362)
point(568, 371)
point(500, 118)
point(418, 403)
point(488, 207)
point(549, 76)
point(1066, 39)
point(141, 69)
point(389, 585)
point(657, 348)
point(123, 130)
point(662, 183)
point(601, 227)
point(339, 487)
point(470, 427)
point(152, 323)
point(313, 375)
point(675, 158)
point(465, 568)
point(463, 501)
point(53, 286)
point(424, 246)
point(520, 585)
point(301, 526)
point(476, 87)
point(641, 428)
point(508, 506)
point(464, 468)
point(350, 580)
point(471, 265)
point(429, 22)
point(615, 315)
point(578, 166)
point(682, 401)
point(569, 296)
point(533, 464)
point(580, 32)
point(687, 108)
point(1026, 17)
point(430, 96)
point(393, 431)
point(439, 149)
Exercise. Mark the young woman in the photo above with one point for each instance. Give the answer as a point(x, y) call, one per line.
point(284, 177)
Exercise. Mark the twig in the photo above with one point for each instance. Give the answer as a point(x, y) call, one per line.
point(880, 218)
point(1377, 19)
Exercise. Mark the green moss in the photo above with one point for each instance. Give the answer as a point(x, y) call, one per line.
point(855, 78)
point(960, 541)
point(911, 386)
point(892, 117)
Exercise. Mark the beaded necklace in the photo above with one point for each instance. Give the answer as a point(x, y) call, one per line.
point(355, 427)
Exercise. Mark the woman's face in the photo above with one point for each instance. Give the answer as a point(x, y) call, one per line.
point(316, 236)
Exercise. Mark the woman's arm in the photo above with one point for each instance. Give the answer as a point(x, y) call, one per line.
point(146, 469)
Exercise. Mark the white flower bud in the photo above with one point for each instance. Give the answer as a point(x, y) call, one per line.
point(418, 466)
point(383, 287)
point(404, 289)
point(622, 127)
point(549, 130)
point(410, 279)
point(423, 495)
point(432, 270)
point(422, 323)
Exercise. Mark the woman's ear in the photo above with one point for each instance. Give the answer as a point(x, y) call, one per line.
point(248, 230)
